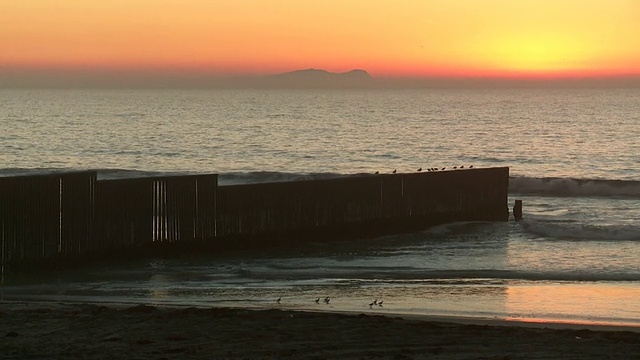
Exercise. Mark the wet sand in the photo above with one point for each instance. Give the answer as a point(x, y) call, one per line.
point(88, 331)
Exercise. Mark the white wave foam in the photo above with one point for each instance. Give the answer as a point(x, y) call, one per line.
point(574, 187)
point(578, 231)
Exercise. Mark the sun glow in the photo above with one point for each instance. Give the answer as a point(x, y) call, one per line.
point(539, 54)
point(529, 38)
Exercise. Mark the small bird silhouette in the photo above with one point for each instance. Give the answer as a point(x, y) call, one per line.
point(420, 169)
point(371, 304)
point(462, 167)
point(377, 172)
point(327, 299)
point(470, 166)
point(455, 167)
point(318, 301)
point(394, 171)
point(278, 301)
point(443, 168)
point(380, 303)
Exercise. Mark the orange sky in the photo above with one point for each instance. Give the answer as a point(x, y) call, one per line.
point(508, 38)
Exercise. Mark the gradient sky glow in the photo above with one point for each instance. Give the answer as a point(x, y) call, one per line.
point(503, 38)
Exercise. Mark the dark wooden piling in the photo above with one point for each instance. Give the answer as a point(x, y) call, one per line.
point(517, 210)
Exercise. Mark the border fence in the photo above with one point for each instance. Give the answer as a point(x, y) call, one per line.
point(71, 215)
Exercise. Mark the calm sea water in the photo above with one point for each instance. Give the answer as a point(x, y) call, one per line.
point(573, 154)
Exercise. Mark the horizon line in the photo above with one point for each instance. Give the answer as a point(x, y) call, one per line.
point(153, 78)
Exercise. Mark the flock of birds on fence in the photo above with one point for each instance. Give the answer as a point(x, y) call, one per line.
point(434, 169)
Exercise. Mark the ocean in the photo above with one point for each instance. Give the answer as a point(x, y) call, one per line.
point(574, 162)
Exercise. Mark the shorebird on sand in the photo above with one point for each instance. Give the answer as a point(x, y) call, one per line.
point(327, 299)
point(318, 301)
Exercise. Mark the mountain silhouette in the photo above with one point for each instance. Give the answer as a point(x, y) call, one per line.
point(322, 78)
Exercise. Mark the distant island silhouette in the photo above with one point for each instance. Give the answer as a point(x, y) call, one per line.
point(314, 74)
point(298, 79)
point(321, 78)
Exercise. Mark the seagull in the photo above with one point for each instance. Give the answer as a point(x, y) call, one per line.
point(394, 171)
point(318, 301)
point(419, 169)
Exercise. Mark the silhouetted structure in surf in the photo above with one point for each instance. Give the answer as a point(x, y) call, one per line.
point(69, 217)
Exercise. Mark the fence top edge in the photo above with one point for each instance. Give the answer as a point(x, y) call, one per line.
point(156, 178)
point(50, 174)
point(367, 176)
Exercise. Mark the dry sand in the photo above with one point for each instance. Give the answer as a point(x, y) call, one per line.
point(68, 331)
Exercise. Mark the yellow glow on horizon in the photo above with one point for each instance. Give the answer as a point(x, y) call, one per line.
point(402, 38)
point(539, 53)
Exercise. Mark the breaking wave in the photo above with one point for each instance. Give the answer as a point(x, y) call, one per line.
point(568, 187)
point(578, 231)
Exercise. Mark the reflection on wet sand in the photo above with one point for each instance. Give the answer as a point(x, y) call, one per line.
point(563, 302)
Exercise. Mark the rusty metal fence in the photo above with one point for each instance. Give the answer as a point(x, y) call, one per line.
point(70, 214)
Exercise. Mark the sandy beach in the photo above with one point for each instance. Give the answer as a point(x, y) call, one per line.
point(89, 331)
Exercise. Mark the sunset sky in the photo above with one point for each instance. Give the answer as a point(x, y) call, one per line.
point(403, 38)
